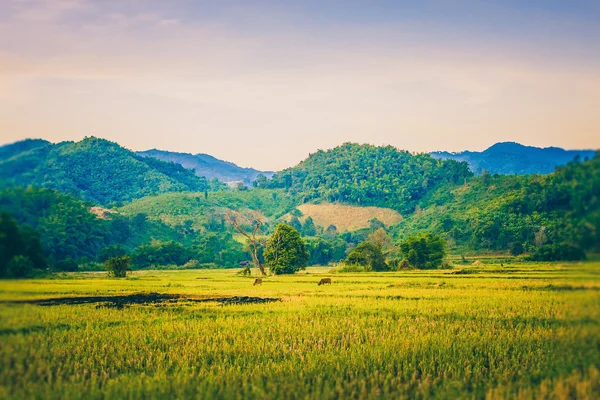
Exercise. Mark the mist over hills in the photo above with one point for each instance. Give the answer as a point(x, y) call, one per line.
point(208, 166)
point(514, 158)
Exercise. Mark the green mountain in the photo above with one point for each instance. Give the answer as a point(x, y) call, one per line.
point(92, 169)
point(369, 176)
point(515, 159)
point(516, 213)
point(208, 166)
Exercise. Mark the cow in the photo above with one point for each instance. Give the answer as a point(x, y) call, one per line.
point(257, 281)
point(324, 281)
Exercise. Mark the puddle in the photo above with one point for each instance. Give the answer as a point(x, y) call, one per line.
point(143, 299)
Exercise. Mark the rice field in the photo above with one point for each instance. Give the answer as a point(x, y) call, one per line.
point(523, 331)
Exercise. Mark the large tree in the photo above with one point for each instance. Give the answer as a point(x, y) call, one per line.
point(285, 252)
point(369, 256)
point(424, 251)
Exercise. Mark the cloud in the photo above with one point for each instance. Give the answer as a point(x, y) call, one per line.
point(148, 75)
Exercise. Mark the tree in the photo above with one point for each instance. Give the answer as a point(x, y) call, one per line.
point(260, 182)
point(285, 252)
point(424, 251)
point(309, 229)
point(20, 249)
point(295, 223)
point(369, 256)
point(19, 267)
point(254, 242)
point(111, 251)
point(118, 266)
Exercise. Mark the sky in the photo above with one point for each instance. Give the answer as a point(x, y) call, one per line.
point(265, 83)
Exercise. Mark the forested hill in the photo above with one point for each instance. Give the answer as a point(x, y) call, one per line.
point(208, 166)
point(516, 159)
point(92, 169)
point(368, 175)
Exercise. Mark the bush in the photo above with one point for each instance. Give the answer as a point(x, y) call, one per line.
point(558, 252)
point(118, 266)
point(66, 265)
point(351, 268)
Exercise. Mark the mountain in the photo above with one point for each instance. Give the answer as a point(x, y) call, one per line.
point(368, 175)
point(208, 166)
point(516, 159)
point(92, 169)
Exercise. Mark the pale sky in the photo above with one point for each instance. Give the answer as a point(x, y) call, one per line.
point(265, 83)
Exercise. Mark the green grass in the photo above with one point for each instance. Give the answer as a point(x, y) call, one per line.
point(528, 330)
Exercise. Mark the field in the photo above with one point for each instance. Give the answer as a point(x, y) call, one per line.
point(522, 331)
point(347, 218)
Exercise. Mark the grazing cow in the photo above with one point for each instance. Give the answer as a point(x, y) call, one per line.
point(257, 281)
point(324, 281)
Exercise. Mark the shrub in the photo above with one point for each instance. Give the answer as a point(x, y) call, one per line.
point(66, 265)
point(118, 266)
point(369, 256)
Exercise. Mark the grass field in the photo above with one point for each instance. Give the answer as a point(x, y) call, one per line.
point(347, 218)
point(523, 331)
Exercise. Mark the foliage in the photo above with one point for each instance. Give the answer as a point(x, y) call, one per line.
point(369, 256)
point(368, 175)
point(285, 252)
point(116, 250)
point(558, 252)
point(97, 170)
point(424, 251)
point(308, 228)
point(20, 249)
point(117, 267)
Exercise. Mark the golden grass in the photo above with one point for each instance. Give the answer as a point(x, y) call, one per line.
point(347, 218)
point(532, 331)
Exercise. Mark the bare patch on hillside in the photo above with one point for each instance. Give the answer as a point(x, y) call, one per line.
point(101, 212)
point(347, 218)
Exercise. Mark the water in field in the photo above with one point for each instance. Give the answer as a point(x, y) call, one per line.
point(517, 331)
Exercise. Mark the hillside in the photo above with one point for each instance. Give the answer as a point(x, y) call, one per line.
point(208, 166)
point(516, 213)
point(514, 158)
point(92, 169)
point(367, 175)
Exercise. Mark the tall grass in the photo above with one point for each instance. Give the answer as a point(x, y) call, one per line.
point(414, 334)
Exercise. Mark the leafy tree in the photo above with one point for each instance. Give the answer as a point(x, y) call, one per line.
point(20, 249)
point(66, 265)
point(285, 252)
point(309, 229)
point(558, 252)
point(424, 251)
point(369, 256)
point(111, 251)
point(296, 224)
point(20, 266)
point(118, 266)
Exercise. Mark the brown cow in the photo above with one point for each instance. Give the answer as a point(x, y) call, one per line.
point(257, 281)
point(324, 281)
